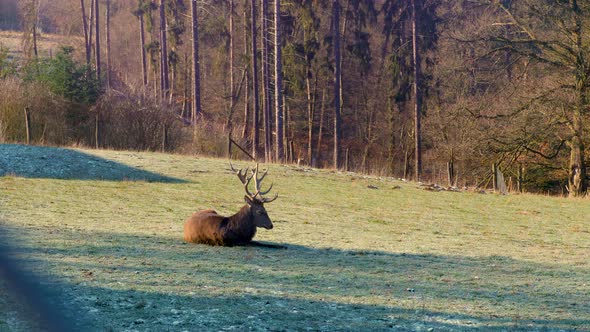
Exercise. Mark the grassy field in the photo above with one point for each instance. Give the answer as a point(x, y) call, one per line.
point(105, 228)
point(48, 44)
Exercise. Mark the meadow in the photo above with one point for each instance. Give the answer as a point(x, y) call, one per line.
point(48, 44)
point(104, 229)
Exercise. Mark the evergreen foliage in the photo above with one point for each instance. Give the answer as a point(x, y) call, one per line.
point(64, 77)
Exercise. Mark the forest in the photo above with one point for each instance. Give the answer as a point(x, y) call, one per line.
point(435, 91)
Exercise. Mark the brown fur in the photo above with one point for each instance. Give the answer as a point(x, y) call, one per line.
point(208, 227)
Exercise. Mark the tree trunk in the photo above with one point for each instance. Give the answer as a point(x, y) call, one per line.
point(143, 55)
point(578, 183)
point(108, 40)
point(87, 45)
point(279, 156)
point(91, 28)
point(196, 71)
point(232, 97)
point(520, 178)
point(96, 128)
point(186, 88)
point(495, 185)
point(35, 50)
point(28, 125)
point(164, 80)
point(340, 48)
point(256, 109)
point(164, 137)
point(97, 38)
point(246, 130)
point(266, 97)
point(318, 155)
point(310, 116)
point(417, 94)
point(337, 83)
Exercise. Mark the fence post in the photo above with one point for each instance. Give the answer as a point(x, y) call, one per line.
point(28, 125)
point(451, 172)
point(520, 177)
point(347, 160)
point(406, 165)
point(495, 176)
point(96, 131)
point(164, 137)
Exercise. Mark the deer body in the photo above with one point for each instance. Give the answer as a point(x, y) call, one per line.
point(208, 227)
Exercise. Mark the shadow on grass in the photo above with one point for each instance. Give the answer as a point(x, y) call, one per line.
point(59, 163)
point(123, 281)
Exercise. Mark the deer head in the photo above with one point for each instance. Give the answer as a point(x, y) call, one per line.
point(256, 200)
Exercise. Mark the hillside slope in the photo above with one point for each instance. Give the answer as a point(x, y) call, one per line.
point(367, 252)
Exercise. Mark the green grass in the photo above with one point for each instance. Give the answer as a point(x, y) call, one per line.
point(357, 258)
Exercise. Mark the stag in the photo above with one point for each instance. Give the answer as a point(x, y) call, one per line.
point(209, 227)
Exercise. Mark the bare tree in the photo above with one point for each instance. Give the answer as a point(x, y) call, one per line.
point(30, 13)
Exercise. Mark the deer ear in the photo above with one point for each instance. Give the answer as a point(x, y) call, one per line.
point(248, 200)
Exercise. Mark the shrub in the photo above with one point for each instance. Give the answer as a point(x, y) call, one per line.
point(133, 122)
point(48, 119)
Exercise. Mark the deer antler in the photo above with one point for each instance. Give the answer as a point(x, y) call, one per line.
point(245, 178)
point(258, 183)
point(242, 176)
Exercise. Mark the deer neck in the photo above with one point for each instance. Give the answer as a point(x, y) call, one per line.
point(242, 219)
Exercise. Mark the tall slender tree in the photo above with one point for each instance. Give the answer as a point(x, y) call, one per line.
point(266, 94)
point(279, 152)
point(337, 82)
point(196, 71)
point(139, 13)
point(232, 97)
point(87, 43)
point(108, 41)
point(91, 28)
point(246, 131)
point(417, 87)
point(97, 38)
point(255, 101)
point(164, 78)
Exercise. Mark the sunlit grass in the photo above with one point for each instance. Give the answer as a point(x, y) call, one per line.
point(384, 258)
